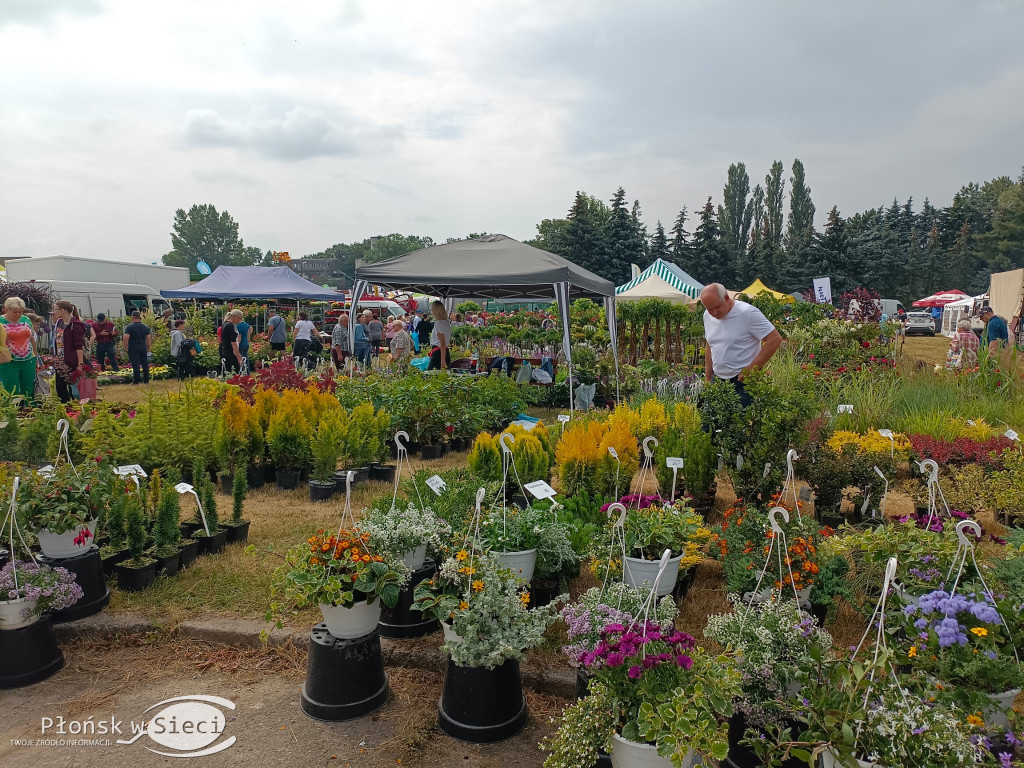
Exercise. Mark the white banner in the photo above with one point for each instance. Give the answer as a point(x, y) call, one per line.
point(823, 290)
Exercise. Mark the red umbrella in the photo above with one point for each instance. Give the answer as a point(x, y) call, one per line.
point(940, 299)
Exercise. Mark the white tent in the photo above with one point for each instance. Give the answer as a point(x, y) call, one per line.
point(661, 280)
point(964, 309)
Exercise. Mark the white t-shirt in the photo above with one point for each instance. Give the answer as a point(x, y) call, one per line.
point(443, 327)
point(302, 330)
point(736, 339)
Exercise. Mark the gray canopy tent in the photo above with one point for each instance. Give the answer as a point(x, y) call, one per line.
point(492, 267)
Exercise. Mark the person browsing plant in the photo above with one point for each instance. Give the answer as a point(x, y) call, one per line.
point(138, 341)
point(740, 339)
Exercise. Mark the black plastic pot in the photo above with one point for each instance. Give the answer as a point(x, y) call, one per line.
point(362, 474)
point(29, 654)
point(168, 566)
point(482, 706)
point(582, 684)
point(683, 584)
point(431, 452)
point(131, 579)
point(542, 592)
point(403, 621)
point(212, 544)
point(519, 500)
point(187, 529)
point(742, 756)
point(254, 477)
point(831, 520)
point(88, 570)
point(269, 473)
point(110, 560)
point(383, 473)
point(227, 483)
point(820, 613)
point(189, 552)
point(339, 480)
point(320, 491)
point(287, 479)
point(339, 673)
point(237, 532)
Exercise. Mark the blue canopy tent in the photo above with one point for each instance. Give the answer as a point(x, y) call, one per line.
point(254, 283)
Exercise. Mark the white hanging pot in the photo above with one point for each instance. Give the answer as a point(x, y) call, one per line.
point(349, 623)
point(1003, 703)
point(450, 635)
point(635, 571)
point(414, 557)
point(828, 760)
point(18, 613)
point(59, 545)
point(522, 563)
point(632, 754)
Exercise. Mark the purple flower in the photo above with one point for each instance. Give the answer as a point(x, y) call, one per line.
point(614, 659)
point(684, 661)
point(634, 672)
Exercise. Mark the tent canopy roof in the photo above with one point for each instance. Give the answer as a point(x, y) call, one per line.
point(254, 283)
point(940, 299)
point(661, 280)
point(757, 287)
point(489, 267)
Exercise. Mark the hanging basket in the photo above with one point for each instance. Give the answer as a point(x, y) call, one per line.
point(635, 571)
point(348, 623)
point(633, 754)
point(414, 558)
point(18, 613)
point(522, 563)
point(63, 544)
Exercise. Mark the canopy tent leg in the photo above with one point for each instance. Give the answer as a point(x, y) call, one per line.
point(562, 298)
point(357, 291)
point(613, 332)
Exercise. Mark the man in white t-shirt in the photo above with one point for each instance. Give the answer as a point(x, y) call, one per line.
point(739, 338)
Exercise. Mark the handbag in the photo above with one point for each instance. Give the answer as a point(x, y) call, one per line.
point(42, 388)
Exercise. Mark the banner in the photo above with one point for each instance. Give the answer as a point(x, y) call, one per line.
point(823, 290)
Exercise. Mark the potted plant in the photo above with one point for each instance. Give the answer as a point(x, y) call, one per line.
point(363, 443)
point(405, 534)
point(115, 550)
point(326, 446)
point(338, 573)
point(166, 535)
point(139, 571)
point(771, 640)
point(288, 439)
point(212, 538)
point(237, 528)
point(31, 590)
point(656, 699)
point(239, 437)
point(515, 536)
point(488, 629)
point(62, 508)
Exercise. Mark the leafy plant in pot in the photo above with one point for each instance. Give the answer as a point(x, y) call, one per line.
point(239, 437)
point(31, 590)
point(114, 551)
point(139, 571)
point(338, 573)
point(327, 445)
point(62, 508)
point(238, 528)
point(515, 538)
point(288, 439)
point(408, 534)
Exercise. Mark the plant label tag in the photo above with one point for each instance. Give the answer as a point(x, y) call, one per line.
point(885, 433)
point(864, 506)
point(739, 461)
point(564, 418)
point(612, 452)
point(844, 408)
point(3, 424)
point(767, 469)
point(132, 469)
point(183, 488)
point(45, 471)
point(970, 423)
point(436, 484)
point(1012, 435)
point(673, 462)
point(721, 462)
point(540, 489)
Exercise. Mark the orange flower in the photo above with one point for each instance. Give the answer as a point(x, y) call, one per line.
point(367, 558)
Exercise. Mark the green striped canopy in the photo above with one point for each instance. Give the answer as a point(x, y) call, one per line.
point(671, 274)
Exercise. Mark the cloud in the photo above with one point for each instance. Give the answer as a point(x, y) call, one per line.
point(301, 133)
point(225, 176)
point(42, 12)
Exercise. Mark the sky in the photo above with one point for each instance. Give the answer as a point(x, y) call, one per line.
point(315, 123)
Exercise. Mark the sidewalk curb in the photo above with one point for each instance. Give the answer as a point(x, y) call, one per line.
point(244, 633)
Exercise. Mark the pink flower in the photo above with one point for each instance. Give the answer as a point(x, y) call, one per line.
point(684, 661)
point(634, 672)
point(615, 659)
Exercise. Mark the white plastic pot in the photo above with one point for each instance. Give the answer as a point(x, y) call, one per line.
point(450, 635)
point(63, 544)
point(18, 613)
point(522, 563)
point(828, 760)
point(349, 623)
point(414, 557)
point(632, 754)
point(636, 571)
point(1003, 703)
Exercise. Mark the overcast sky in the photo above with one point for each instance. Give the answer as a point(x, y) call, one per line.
point(322, 122)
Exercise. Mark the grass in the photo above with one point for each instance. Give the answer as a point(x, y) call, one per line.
point(132, 394)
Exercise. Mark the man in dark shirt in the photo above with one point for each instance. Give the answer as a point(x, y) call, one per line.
point(106, 342)
point(138, 341)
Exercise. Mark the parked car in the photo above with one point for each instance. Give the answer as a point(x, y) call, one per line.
point(920, 323)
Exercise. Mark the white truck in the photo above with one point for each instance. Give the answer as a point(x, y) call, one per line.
point(115, 288)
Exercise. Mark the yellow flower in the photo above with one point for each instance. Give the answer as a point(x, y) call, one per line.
point(976, 721)
point(478, 586)
point(525, 598)
point(912, 652)
point(980, 631)
point(463, 605)
point(468, 570)
point(462, 555)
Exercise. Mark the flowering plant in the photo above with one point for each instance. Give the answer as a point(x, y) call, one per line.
point(963, 450)
point(67, 498)
point(399, 531)
point(801, 558)
point(771, 639)
point(735, 543)
point(652, 686)
point(486, 610)
point(652, 529)
point(516, 530)
point(618, 603)
point(53, 588)
point(337, 570)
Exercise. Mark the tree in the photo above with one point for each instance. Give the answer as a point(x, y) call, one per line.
point(734, 215)
point(757, 212)
point(639, 234)
point(830, 257)
point(551, 236)
point(622, 245)
point(203, 234)
point(1003, 247)
point(801, 210)
point(659, 245)
point(585, 234)
point(709, 257)
point(680, 244)
point(763, 258)
point(775, 196)
point(389, 246)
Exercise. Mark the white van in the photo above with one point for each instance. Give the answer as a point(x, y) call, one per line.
point(112, 299)
point(888, 306)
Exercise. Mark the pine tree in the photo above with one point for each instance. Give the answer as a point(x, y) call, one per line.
point(762, 257)
point(958, 257)
point(735, 213)
point(621, 243)
point(680, 243)
point(757, 214)
point(1003, 246)
point(801, 210)
point(658, 248)
point(709, 257)
point(775, 196)
point(918, 277)
point(584, 236)
point(830, 257)
point(640, 236)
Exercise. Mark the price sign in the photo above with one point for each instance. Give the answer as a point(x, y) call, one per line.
point(612, 452)
point(130, 469)
point(673, 462)
point(540, 489)
point(436, 484)
point(844, 409)
point(1012, 435)
point(885, 433)
point(183, 488)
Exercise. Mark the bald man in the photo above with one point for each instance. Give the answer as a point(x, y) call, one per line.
point(739, 337)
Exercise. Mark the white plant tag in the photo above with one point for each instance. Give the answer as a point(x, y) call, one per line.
point(673, 462)
point(3, 424)
point(864, 506)
point(540, 489)
point(970, 423)
point(131, 469)
point(1011, 434)
point(845, 408)
point(721, 462)
point(612, 452)
point(739, 461)
point(767, 469)
point(564, 418)
point(436, 484)
point(184, 488)
point(885, 433)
